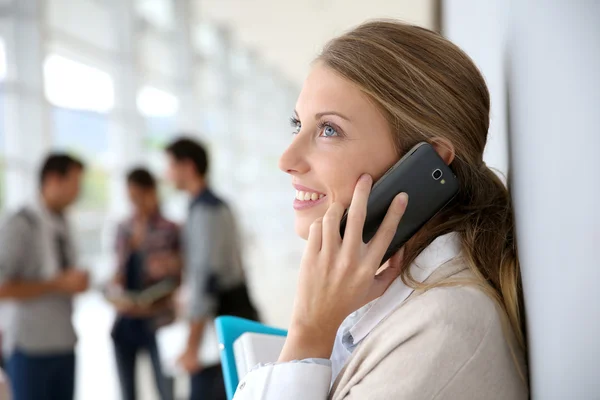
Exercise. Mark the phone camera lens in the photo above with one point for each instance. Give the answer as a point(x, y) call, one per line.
point(437, 174)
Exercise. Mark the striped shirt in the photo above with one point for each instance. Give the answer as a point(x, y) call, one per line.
point(162, 236)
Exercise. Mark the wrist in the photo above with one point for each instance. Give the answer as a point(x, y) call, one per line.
point(191, 349)
point(302, 343)
point(192, 345)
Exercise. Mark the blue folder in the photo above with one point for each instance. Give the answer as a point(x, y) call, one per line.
point(228, 330)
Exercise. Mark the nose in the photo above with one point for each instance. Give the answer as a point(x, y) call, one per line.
point(293, 160)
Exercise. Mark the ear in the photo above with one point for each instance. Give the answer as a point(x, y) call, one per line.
point(444, 148)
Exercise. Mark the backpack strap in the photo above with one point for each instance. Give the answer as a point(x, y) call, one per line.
point(28, 216)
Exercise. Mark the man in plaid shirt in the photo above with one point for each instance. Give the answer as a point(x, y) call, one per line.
point(147, 249)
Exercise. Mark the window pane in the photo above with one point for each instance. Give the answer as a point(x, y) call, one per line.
point(85, 135)
point(2, 60)
point(2, 146)
point(2, 154)
point(74, 85)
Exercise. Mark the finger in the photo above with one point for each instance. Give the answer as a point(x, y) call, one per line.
point(331, 227)
point(382, 239)
point(357, 213)
point(315, 237)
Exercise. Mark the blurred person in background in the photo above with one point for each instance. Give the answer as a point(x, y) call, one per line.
point(214, 278)
point(444, 317)
point(148, 256)
point(38, 279)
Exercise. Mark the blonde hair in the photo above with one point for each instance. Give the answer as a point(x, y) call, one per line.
point(429, 89)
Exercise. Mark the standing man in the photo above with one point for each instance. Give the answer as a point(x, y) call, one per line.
point(38, 279)
point(213, 273)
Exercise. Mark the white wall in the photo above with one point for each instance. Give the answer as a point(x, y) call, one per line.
point(555, 140)
point(479, 28)
point(552, 50)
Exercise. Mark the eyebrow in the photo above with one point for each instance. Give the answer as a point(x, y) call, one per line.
point(322, 114)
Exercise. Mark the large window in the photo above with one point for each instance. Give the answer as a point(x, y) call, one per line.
point(159, 109)
point(85, 134)
point(2, 134)
point(74, 85)
point(81, 95)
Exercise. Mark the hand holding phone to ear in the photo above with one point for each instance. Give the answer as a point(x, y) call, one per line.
point(338, 276)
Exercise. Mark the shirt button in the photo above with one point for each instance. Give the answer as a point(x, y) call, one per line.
point(242, 386)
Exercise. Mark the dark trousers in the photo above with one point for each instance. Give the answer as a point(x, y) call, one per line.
point(42, 377)
point(126, 355)
point(208, 384)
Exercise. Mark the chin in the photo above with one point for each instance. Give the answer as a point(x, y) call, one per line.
point(302, 226)
point(302, 230)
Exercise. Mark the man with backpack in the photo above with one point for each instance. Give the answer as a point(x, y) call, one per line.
point(38, 279)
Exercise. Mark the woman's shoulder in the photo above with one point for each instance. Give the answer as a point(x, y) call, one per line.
point(441, 339)
point(450, 314)
point(459, 302)
point(458, 308)
point(453, 295)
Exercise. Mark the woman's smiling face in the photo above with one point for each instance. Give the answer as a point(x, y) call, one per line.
point(339, 135)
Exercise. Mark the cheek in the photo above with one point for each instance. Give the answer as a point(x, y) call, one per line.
point(340, 180)
point(337, 178)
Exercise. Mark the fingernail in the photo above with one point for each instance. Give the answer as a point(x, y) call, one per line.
point(365, 178)
point(403, 198)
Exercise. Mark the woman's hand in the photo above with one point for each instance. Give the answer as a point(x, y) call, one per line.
point(338, 277)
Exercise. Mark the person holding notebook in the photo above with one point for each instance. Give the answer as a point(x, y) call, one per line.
point(443, 318)
point(147, 249)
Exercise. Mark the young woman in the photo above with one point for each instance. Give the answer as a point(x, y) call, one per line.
point(443, 319)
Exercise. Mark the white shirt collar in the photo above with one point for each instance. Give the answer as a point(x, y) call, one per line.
point(360, 323)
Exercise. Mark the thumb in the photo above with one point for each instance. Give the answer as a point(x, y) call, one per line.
point(393, 265)
point(387, 274)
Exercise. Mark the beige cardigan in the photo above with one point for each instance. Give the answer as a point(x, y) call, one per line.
point(445, 343)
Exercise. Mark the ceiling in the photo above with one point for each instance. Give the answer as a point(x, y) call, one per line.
point(287, 35)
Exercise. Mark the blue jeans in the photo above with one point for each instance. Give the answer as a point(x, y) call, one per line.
point(42, 377)
point(208, 384)
point(126, 354)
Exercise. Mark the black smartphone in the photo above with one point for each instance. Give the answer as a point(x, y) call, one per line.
point(430, 185)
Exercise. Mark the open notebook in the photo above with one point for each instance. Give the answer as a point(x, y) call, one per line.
point(244, 344)
point(144, 298)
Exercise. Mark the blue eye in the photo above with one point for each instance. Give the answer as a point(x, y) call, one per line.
point(329, 131)
point(296, 125)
